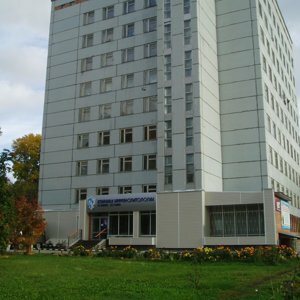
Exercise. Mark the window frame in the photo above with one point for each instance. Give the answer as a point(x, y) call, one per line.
point(103, 138)
point(104, 111)
point(125, 164)
point(126, 135)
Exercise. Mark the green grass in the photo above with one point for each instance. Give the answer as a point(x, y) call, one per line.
point(53, 277)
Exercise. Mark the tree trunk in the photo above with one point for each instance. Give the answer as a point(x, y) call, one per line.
point(28, 250)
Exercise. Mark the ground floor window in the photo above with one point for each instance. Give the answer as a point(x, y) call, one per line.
point(148, 222)
point(120, 223)
point(237, 220)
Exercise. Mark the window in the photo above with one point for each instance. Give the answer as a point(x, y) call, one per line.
point(81, 194)
point(237, 220)
point(168, 134)
point(83, 140)
point(128, 30)
point(87, 64)
point(86, 89)
point(150, 188)
point(81, 168)
point(128, 7)
point(168, 100)
point(102, 190)
point(148, 222)
point(150, 103)
point(187, 6)
point(126, 135)
point(189, 97)
point(103, 138)
point(269, 123)
point(150, 76)
point(149, 3)
point(127, 81)
point(108, 12)
point(103, 166)
point(150, 162)
point(150, 49)
point(267, 93)
point(189, 131)
point(126, 189)
point(190, 168)
point(149, 24)
point(127, 54)
point(87, 40)
point(104, 111)
point(150, 132)
point(188, 63)
point(168, 67)
point(107, 59)
point(120, 223)
point(167, 9)
point(168, 169)
point(105, 85)
point(167, 36)
point(88, 17)
point(126, 107)
point(271, 155)
point(107, 35)
point(264, 64)
point(84, 114)
point(187, 32)
point(125, 164)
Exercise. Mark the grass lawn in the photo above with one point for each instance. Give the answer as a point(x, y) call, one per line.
point(53, 277)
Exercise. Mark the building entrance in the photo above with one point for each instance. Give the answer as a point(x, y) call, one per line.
point(99, 227)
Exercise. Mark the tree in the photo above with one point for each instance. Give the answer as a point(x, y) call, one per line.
point(30, 224)
point(25, 156)
point(6, 204)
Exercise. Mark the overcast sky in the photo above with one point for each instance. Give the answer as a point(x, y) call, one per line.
point(24, 27)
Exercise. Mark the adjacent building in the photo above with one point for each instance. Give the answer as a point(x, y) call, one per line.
point(171, 123)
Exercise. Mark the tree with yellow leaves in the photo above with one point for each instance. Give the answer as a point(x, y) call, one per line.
point(25, 157)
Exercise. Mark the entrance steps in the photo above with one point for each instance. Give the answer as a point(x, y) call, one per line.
point(90, 244)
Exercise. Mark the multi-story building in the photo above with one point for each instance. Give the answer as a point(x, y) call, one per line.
point(187, 107)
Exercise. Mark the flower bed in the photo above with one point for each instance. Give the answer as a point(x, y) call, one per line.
point(267, 255)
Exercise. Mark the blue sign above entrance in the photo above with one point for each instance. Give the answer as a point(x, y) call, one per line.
point(122, 202)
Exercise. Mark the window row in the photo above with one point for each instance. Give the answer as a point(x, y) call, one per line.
point(282, 140)
point(126, 108)
point(128, 30)
point(82, 194)
point(275, 81)
point(279, 163)
point(127, 55)
point(188, 98)
point(275, 30)
point(293, 131)
point(125, 136)
point(189, 133)
point(121, 223)
point(127, 81)
point(190, 169)
point(187, 34)
point(108, 12)
point(125, 165)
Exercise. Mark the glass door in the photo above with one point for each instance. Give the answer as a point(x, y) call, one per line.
point(99, 228)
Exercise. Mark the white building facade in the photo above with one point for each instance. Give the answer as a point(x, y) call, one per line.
point(170, 123)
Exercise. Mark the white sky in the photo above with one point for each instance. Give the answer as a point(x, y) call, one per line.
point(24, 27)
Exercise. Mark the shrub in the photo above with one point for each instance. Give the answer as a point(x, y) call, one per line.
point(81, 251)
point(129, 252)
